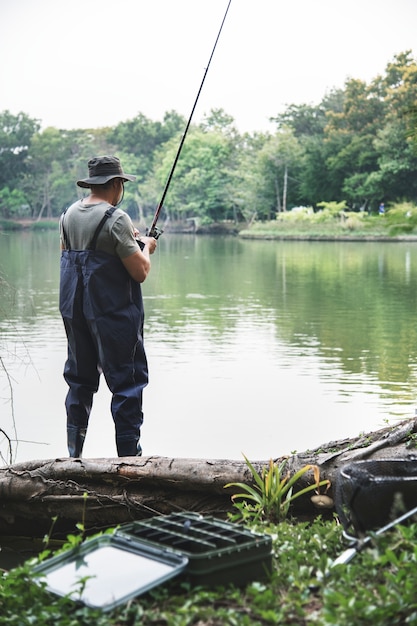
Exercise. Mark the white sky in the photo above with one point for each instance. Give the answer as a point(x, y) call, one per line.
point(93, 63)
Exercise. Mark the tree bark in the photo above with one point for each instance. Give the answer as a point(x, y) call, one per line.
point(58, 494)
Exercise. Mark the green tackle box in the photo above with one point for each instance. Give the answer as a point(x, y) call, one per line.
point(108, 570)
point(218, 552)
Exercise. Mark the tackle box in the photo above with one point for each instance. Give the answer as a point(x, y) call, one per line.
point(110, 569)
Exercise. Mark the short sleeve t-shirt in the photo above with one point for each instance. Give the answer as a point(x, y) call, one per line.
point(116, 237)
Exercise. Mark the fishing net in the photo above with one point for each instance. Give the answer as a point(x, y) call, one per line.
point(370, 494)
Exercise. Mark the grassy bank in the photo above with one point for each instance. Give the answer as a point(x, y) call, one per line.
point(377, 587)
point(335, 223)
point(371, 231)
point(16, 225)
point(331, 222)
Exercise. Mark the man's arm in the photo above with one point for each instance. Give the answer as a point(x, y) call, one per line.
point(138, 264)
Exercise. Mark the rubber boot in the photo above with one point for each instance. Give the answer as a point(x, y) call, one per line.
point(75, 439)
point(128, 447)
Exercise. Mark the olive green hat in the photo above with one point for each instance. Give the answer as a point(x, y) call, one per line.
point(104, 168)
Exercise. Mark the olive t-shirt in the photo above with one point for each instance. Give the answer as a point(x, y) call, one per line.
point(116, 237)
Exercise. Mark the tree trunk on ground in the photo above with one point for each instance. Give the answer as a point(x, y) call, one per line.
point(106, 492)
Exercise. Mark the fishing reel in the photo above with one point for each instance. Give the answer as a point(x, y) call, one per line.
point(154, 232)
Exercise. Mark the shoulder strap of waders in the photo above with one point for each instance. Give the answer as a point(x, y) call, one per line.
point(64, 232)
point(93, 242)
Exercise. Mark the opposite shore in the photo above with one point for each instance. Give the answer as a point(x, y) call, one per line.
point(370, 230)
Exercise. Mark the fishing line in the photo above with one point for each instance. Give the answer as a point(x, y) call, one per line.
point(153, 230)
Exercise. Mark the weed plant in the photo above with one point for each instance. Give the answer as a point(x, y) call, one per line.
point(272, 493)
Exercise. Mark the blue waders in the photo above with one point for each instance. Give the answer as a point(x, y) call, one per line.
point(102, 310)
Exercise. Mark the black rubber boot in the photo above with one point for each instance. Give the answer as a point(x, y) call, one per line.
point(75, 439)
point(128, 447)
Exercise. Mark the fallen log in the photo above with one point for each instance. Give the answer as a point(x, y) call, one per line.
point(99, 493)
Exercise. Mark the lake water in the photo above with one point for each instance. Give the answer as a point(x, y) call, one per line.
point(254, 347)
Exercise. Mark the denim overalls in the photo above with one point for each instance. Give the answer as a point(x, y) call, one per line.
point(102, 310)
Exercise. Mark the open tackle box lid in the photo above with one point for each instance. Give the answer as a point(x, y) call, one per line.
point(108, 570)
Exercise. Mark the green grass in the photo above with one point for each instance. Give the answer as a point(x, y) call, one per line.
point(8, 225)
point(44, 224)
point(378, 587)
point(373, 229)
point(399, 222)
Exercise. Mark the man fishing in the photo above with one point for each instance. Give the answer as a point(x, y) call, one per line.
point(102, 265)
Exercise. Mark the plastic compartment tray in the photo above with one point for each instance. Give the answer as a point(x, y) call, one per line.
point(218, 552)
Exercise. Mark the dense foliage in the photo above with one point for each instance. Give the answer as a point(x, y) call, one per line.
point(377, 588)
point(357, 147)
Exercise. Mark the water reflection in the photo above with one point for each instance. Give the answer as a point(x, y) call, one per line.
point(254, 347)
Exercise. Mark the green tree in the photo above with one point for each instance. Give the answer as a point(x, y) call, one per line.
point(272, 169)
point(16, 133)
point(357, 146)
point(56, 160)
point(304, 120)
point(13, 203)
point(217, 120)
point(350, 135)
point(396, 177)
point(48, 154)
point(248, 178)
point(201, 185)
point(141, 137)
point(308, 124)
point(316, 184)
point(411, 122)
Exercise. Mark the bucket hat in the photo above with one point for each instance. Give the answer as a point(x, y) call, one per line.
point(104, 168)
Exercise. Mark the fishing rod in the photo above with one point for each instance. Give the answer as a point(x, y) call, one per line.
point(350, 552)
point(153, 230)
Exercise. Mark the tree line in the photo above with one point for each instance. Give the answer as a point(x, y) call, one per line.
point(358, 146)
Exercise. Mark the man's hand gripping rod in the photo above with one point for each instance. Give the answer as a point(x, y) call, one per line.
point(153, 230)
